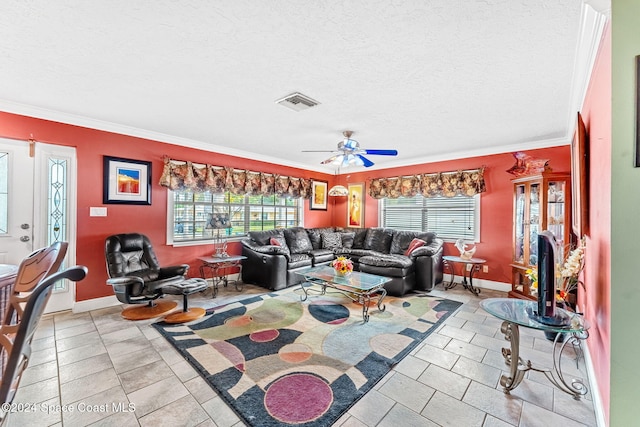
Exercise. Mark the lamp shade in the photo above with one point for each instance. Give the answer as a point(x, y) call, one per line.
point(338, 190)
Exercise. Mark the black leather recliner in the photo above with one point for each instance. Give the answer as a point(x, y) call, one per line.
point(136, 275)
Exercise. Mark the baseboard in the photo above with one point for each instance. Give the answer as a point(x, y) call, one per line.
point(593, 388)
point(482, 283)
point(95, 304)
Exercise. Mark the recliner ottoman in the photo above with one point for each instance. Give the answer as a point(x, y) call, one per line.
point(399, 268)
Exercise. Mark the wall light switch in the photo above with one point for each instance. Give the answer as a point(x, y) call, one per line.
point(97, 211)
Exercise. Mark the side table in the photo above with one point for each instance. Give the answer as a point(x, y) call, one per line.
point(218, 266)
point(448, 262)
point(519, 312)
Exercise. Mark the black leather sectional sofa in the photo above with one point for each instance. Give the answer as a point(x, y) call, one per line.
point(274, 256)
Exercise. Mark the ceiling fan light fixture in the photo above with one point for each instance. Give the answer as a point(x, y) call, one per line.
point(339, 190)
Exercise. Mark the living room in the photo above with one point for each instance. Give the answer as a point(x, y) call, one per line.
point(607, 304)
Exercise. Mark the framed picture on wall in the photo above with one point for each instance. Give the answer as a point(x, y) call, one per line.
point(579, 180)
point(318, 199)
point(355, 205)
point(126, 181)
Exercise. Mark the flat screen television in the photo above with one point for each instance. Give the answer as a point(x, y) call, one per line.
point(546, 274)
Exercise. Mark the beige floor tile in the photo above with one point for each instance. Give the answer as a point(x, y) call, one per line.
point(43, 414)
point(38, 392)
point(80, 353)
point(184, 412)
point(453, 332)
point(84, 367)
point(200, 389)
point(535, 416)
point(157, 395)
point(466, 349)
point(494, 402)
point(402, 416)
point(411, 366)
point(97, 407)
point(445, 410)
point(456, 322)
point(437, 340)
point(443, 380)
point(41, 372)
point(437, 356)
point(475, 316)
point(74, 330)
point(533, 392)
point(477, 371)
point(123, 362)
point(79, 388)
point(43, 356)
point(45, 343)
point(221, 413)
point(579, 410)
point(372, 408)
point(119, 419)
point(144, 375)
point(480, 328)
point(408, 392)
point(136, 345)
point(69, 319)
point(90, 338)
point(128, 332)
point(349, 421)
point(183, 370)
point(491, 421)
point(495, 359)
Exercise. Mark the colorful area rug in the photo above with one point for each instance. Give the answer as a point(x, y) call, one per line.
point(278, 361)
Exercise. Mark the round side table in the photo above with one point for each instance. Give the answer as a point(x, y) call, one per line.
point(448, 262)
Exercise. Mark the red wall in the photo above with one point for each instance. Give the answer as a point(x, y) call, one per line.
point(496, 206)
point(596, 113)
point(91, 145)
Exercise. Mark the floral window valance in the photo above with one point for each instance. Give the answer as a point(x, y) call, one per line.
point(446, 184)
point(181, 175)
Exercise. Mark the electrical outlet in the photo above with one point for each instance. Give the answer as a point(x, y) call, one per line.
point(485, 268)
point(469, 267)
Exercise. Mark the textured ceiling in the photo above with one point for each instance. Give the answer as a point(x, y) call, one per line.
point(432, 79)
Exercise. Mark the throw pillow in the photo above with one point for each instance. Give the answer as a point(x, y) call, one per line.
point(331, 241)
point(415, 243)
point(281, 242)
point(347, 240)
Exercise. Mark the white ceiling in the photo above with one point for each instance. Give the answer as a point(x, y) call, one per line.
point(433, 79)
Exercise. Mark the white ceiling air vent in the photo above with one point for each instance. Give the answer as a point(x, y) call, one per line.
point(297, 101)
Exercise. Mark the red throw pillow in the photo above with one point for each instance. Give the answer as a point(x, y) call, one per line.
point(274, 241)
point(415, 243)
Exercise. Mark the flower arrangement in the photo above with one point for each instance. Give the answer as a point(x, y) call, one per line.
point(342, 265)
point(532, 274)
point(573, 265)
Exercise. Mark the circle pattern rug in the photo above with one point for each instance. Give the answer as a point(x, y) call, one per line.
point(278, 361)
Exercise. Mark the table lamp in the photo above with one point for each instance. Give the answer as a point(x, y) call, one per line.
point(218, 222)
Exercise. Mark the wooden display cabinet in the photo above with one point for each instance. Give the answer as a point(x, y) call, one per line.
point(540, 202)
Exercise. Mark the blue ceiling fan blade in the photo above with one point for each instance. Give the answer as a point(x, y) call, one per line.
point(382, 152)
point(365, 162)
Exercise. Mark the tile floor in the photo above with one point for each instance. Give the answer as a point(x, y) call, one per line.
point(97, 369)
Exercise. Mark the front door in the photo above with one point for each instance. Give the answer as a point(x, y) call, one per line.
point(37, 206)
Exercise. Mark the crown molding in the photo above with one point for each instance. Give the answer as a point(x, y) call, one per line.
point(76, 120)
point(594, 16)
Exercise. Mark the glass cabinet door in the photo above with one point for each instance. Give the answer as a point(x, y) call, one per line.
point(556, 212)
point(519, 223)
point(534, 222)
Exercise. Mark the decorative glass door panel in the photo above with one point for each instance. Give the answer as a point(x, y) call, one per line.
point(519, 223)
point(534, 222)
point(556, 208)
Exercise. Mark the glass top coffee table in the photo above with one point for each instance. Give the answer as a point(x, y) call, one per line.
point(359, 287)
point(519, 312)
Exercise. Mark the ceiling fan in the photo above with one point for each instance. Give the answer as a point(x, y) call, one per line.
point(350, 153)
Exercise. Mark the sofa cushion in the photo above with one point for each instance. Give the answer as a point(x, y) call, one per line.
point(298, 240)
point(402, 239)
point(347, 239)
point(331, 240)
point(415, 244)
point(378, 239)
point(387, 265)
point(299, 260)
point(262, 237)
point(315, 236)
point(360, 234)
point(321, 256)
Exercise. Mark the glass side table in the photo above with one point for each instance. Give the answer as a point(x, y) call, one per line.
point(448, 261)
point(518, 312)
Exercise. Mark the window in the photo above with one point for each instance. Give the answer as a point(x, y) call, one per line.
point(450, 218)
point(189, 212)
